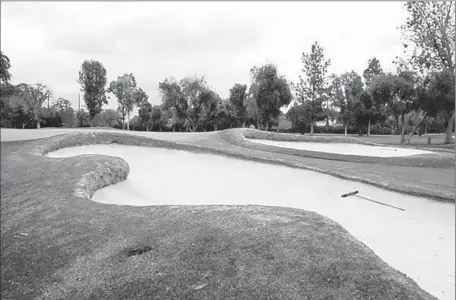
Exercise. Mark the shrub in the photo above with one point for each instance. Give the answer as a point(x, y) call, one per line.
point(97, 122)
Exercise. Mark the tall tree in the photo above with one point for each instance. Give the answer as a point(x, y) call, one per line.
point(336, 95)
point(434, 99)
point(253, 113)
point(34, 96)
point(61, 104)
point(211, 103)
point(140, 96)
point(238, 96)
point(174, 101)
point(429, 35)
point(93, 80)
point(157, 117)
point(141, 100)
point(124, 88)
point(6, 89)
point(144, 113)
point(312, 86)
point(348, 90)
point(225, 115)
point(5, 65)
point(437, 97)
point(404, 98)
point(373, 70)
point(397, 92)
point(193, 89)
point(371, 108)
point(270, 91)
point(64, 111)
point(368, 109)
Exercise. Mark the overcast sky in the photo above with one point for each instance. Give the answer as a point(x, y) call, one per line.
point(47, 42)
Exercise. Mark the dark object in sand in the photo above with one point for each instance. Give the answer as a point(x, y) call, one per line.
point(354, 193)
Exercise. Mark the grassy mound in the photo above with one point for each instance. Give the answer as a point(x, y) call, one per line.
point(276, 136)
point(56, 245)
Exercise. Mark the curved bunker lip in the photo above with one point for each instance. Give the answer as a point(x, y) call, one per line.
point(243, 138)
point(418, 242)
point(346, 148)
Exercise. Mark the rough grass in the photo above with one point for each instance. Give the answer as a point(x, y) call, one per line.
point(56, 245)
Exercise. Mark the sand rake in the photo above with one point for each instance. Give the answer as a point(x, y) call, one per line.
point(355, 193)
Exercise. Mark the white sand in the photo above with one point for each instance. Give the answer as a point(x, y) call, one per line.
point(9, 134)
point(419, 242)
point(347, 149)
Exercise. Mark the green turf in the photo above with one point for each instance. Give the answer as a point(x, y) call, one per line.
point(58, 246)
point(444, 160)
point(437, 140)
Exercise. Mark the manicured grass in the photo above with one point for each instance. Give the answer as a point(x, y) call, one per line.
point(425, 177)
point(429, 161)
point(437, 140)
point(58, 246)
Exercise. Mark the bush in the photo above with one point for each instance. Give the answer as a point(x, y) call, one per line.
point(50, 118)
point(7, 117)
point(338, 129)
point(82, 119)
point(97, 122)
point(68, 118)
point(381, 130)
point(436, 127)
point(377, 129)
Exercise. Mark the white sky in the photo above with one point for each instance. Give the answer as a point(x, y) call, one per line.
point(48, 41)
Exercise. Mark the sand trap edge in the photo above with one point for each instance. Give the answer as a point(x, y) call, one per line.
point(42, 146)
point(240, 138)
point(288, 137)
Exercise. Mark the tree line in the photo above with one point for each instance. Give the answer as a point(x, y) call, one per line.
point(188, 104)
point(418, 97)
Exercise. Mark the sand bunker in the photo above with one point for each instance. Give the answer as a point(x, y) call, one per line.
point(346, 149)
point(419, 242)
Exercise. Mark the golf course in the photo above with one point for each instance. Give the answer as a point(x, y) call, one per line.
point(282, 150)
point(97, 213)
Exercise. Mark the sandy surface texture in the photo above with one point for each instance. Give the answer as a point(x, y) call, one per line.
point(419, 242)
point(345, 148)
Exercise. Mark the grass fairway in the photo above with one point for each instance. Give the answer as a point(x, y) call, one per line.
point(59, 246)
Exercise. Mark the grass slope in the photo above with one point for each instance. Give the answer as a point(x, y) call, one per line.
point(442, 160)
point(432, 182)
point(437, 140)
point(56, 245)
